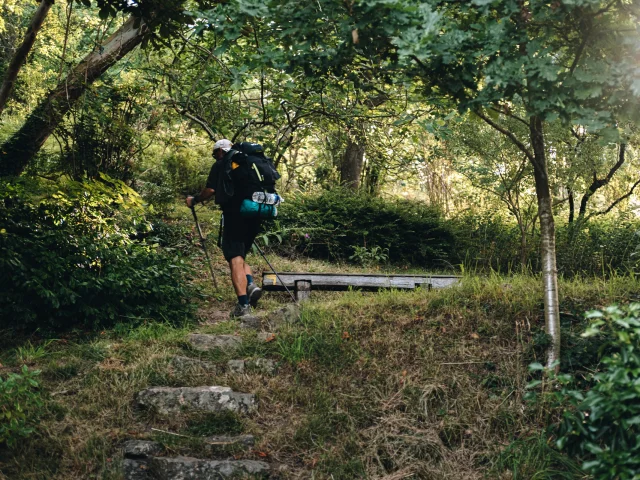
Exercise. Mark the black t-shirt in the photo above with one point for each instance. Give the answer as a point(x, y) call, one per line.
point(212, 179)
point(237, 177)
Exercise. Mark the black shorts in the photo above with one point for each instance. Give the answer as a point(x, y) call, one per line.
point(238, 235)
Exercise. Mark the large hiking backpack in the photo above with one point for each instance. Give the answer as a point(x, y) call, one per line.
point(251, 170)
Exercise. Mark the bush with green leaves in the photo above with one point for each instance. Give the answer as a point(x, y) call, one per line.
point(602, 424)
point(337, 222)
point(85, 255)
point(20, 405)
point(602, 247)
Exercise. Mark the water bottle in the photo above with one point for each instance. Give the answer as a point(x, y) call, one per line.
point(267, 198)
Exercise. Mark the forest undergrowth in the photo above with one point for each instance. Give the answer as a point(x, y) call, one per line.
point(424, 384)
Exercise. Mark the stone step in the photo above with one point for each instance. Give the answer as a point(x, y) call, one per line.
point(288, 314)
point(251, 322)
point(205, 343)
point(185, 364)
point(141, 449)
point(179, 468)
point(137, 454)
point(266, 337)
point(167, 468)
point(262, 365)
point(166, 400)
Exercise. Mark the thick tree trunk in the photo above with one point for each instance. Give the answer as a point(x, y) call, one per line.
point(26, 142)
point(351, 166)
point(23, 50)
point(548, 241)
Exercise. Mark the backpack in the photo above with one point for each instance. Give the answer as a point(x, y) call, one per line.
point(251, 170)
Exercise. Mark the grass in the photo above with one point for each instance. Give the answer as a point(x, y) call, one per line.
point(425, 384)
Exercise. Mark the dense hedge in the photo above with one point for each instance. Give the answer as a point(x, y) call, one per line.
point(333, 224)
point(78, 257)
point(601, 247)
point(337, 224)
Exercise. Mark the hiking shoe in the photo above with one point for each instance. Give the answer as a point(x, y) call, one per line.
point(254, 292)
point(240, 311)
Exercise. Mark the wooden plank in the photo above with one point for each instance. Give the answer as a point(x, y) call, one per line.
point(343, 281)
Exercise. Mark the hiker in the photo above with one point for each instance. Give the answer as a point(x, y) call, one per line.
point(239, 171)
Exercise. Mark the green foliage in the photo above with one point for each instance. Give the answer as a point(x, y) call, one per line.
point(368, 256)
point(20, 405)
point(224, 423)
point(84, 256)
point(533, 458)
point(603, 424)
point(602, 247)
point(332, 224)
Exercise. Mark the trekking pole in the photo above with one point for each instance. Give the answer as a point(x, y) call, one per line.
point(274, 271)
point(204, 247)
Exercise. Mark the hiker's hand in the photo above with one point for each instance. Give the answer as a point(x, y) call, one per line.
point(189, 202)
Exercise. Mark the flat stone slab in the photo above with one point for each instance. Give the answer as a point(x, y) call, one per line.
point(141, 449)
point(135, 469)
point(263, 365)
point(287, 314)
point(205, 343)
point(187, 363)
point(183, 468)
point(266, 337)
point(167, 400)
point(250, 321)
point(236, 366)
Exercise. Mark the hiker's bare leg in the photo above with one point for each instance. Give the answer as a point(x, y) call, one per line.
point(247, 269)
point(238, 276)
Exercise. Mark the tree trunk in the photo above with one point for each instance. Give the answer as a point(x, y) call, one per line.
point(351, 166)
point(523, 246)
point(26, 142)
point(23, 50)
point(548, 241)
point(572, 206)
point(599, 183)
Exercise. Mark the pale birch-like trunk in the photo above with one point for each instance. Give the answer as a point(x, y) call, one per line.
point(548, 241)
point(23, 50)
point(16, 153)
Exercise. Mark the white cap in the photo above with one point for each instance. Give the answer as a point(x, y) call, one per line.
point(224, 144)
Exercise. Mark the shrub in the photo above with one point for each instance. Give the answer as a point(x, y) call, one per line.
point(79, 257)
point(338, 223)
point(600, 247)
point(602, 425)
point(20, 405)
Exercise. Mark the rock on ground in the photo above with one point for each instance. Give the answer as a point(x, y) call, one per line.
point(135, 469)
point(250, 321)
point(205, 343)
point(266, 337)
point(262, 365)
point(288, 314)
point(186, 363)
point(182, 468)
point(205, 399)
point(141, 448)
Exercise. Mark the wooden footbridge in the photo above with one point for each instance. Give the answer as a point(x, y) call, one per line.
point(302, 283)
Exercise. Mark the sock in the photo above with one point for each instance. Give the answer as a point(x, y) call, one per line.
point(249, 279)
point(243, 300)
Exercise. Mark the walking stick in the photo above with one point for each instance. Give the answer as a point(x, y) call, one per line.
point(204, 247)
point(274, 271)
